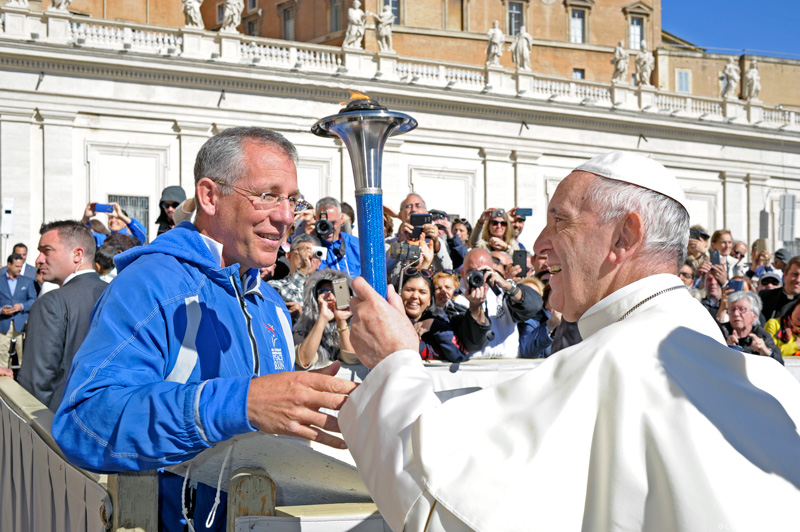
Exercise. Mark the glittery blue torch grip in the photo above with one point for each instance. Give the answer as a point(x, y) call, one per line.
point(370, 235)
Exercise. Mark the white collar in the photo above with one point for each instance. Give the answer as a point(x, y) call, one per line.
point(214, 247)
point(614, 306)
point(73, 275)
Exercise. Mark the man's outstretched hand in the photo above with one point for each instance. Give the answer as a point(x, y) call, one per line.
point(379, 328)
point(288, 403)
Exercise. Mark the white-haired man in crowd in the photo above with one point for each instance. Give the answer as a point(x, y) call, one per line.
point(650, 423)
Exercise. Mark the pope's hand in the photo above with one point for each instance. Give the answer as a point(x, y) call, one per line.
point(379, 328)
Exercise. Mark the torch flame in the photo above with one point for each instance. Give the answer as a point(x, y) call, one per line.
point(355, 95)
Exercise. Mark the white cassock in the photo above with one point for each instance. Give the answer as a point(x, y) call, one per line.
point(651, 423)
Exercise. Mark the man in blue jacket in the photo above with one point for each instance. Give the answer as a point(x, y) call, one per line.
point(187, 347)
point(344, 253)
point(17, 295)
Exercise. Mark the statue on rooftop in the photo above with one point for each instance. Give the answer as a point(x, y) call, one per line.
point(356, 24)
point(232, 16)
point(521, 49)
point(730, 76)
point(494, 46)
point(621, 57)
point(752, 82)
point(17, 3)
point(383, 28)
point(59, 5)
point(644, 66)
point(191, 10)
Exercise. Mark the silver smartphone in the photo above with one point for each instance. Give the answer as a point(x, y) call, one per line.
point(342, 292)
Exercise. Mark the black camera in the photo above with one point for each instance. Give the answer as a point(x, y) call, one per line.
point(323, 227)
point(403, 251)
point(475, 278)
point(747, 341)
point(437, 215)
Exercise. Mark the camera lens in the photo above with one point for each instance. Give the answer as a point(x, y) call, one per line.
point(475, 278)
point(323, 227)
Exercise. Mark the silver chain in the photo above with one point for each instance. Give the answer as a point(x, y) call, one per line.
point(645, 300)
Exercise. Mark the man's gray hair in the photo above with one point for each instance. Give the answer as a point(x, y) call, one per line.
point(755, 301)
point(326, 203)
point(222, 156)
point(666, 222)
point(304, 237)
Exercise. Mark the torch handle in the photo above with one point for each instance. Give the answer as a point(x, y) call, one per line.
point(370, 236)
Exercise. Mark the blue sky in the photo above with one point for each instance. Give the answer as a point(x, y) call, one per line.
point(734, 25)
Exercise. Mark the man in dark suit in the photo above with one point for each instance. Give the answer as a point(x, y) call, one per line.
point(17, 295)
point(777, 299)
point(27, 270)
point(59, 320)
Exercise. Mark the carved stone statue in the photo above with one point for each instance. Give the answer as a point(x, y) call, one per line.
point(730, 76)
point(644, 66)
point(620, 62)
point(59, 5)
point(752, 82)
point(17, 3)
point(383, 28)
point(232, 16)
point(494, 48)
point(356, 24)
point(191, 10)
point(521, 49)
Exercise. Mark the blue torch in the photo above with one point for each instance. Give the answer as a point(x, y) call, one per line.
point(364, 125)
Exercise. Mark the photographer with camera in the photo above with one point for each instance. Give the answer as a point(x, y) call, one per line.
point(343, 252)
point(494, 232)
point(742, 330)
point(456, 247)
point(304, 259)
point(493, 299)
point(416, 225)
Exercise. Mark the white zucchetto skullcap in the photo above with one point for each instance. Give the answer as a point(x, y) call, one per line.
point(636, 170)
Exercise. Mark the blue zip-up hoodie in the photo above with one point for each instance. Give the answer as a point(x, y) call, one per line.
point(165, 369)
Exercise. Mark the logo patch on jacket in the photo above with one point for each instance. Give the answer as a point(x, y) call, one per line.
point(277, 353)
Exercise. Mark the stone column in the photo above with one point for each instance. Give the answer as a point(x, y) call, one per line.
point(498, 174)
point(17, 179)
point(735, 203)
point(63, 195)
point(756, 202)
point(191, 136)
point(529, 193)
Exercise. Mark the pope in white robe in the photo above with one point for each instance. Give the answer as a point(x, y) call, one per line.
point(651, 423)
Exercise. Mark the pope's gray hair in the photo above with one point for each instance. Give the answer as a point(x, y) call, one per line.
point(755, 301)
point(222, 156)
point(665, 221)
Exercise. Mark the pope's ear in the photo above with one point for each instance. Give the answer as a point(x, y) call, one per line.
point(207, 196)
point(629, 235)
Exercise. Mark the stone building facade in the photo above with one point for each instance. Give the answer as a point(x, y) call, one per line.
point(99, 110)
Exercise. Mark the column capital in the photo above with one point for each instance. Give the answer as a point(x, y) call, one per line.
point(16, 114)
point(54, 117)
point(525, 157)
point(757, 179)
point(196, 129)
point(492, 154)
point(733, 177)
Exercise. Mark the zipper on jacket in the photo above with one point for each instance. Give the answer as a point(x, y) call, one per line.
point(249, 320)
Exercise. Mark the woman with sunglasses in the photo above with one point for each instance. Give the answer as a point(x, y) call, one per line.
point(786, 329)
point(494, 232)
point(171, 197)
point(436, 336)
point(322, 332)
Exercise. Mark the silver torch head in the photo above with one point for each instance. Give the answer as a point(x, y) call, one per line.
point(364, 125)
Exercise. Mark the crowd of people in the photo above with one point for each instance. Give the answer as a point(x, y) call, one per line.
point(462, 290)
point(187, 338)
